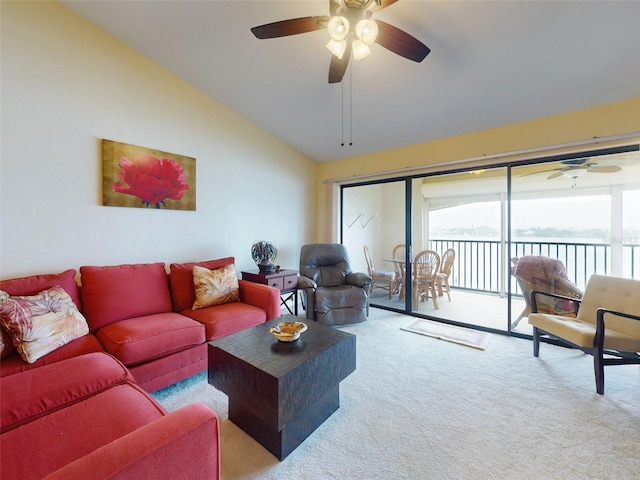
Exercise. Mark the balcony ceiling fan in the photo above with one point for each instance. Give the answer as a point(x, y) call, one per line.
point(352, 31)
point(575, 168)
point(579, 166)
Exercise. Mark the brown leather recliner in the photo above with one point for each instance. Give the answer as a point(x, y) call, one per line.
point(332, 293)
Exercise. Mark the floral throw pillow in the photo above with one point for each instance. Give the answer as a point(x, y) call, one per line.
point(215, 287)
point(41, 323)
point(6, 347)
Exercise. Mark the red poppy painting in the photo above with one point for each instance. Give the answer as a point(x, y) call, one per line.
point(140, 177)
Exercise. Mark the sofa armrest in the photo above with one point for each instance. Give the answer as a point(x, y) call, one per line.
point(262, 296)
point(182, 444)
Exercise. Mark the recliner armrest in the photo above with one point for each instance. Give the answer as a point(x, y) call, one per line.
point(359, 279)
point(306, 283)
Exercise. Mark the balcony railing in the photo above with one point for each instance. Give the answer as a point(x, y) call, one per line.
point(481, 265)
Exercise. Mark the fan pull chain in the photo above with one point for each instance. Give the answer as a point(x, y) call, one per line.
point(342, 112)
point(350, 107)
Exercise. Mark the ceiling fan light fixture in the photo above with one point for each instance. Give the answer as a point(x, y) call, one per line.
point(360, 50)
point(576, 172)
point(337, 48)
point(367, 31)
point(338, 28)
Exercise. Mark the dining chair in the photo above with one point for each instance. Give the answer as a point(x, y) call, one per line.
point(443, 275)
point(426, 265)
point(399, 258)
point(383, 279)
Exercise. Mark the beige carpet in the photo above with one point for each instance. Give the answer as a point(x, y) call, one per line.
point(450, 333)
point(420, 408)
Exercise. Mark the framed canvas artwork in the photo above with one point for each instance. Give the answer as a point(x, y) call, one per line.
point(140, 177)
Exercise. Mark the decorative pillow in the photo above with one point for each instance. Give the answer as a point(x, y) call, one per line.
point(181, 280)
point(41, 323)
point(6, 347)
point(215, 287)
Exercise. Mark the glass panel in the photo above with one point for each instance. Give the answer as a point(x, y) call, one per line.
point(374, 216)
point(631, 232)
point(464, 213)
point(567, 222)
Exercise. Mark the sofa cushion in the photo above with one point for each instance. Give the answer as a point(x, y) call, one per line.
point(119, 292)
point(139, 340)
point(37, 283)
point(215, 287)
point(34, 449)
point(87, 344)
point(41, 323)
point(37, 392)
point(228, 318)
point(183, 292)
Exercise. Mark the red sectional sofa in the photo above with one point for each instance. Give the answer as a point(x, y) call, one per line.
point(84, 417)
point(142, 315)
point(83, 411)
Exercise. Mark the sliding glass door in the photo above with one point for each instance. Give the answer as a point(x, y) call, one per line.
point(579, 212)
point(374, 216)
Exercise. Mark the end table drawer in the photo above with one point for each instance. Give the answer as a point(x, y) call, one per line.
point(290, 282)
point(276, 283)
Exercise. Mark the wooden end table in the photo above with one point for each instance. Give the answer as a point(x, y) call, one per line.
point(279, 392)
point(284, 280)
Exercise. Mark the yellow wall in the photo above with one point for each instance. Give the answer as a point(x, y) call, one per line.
point(610, 120)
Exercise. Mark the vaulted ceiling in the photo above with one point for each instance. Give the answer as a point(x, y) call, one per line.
point(491, 63)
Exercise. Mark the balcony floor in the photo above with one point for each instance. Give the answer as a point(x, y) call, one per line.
point(478, 309)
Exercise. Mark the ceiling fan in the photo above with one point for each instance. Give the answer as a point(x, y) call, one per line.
point(352, 31)
point(578, 167)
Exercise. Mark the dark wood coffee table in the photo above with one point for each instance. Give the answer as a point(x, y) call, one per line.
point(279, 392)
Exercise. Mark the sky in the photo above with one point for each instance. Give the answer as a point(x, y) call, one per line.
point(567, 213)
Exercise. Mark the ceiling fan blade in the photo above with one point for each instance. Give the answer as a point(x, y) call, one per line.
point(554, 175)
point(383, 4)
point(292, 26)
point(539, 172)
point(611, 169)
point(339, 66)
point(401, 42)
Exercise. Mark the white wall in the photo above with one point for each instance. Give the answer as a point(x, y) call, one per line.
point(66, 85)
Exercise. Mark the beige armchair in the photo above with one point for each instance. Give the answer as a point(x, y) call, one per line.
point(607, 322)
